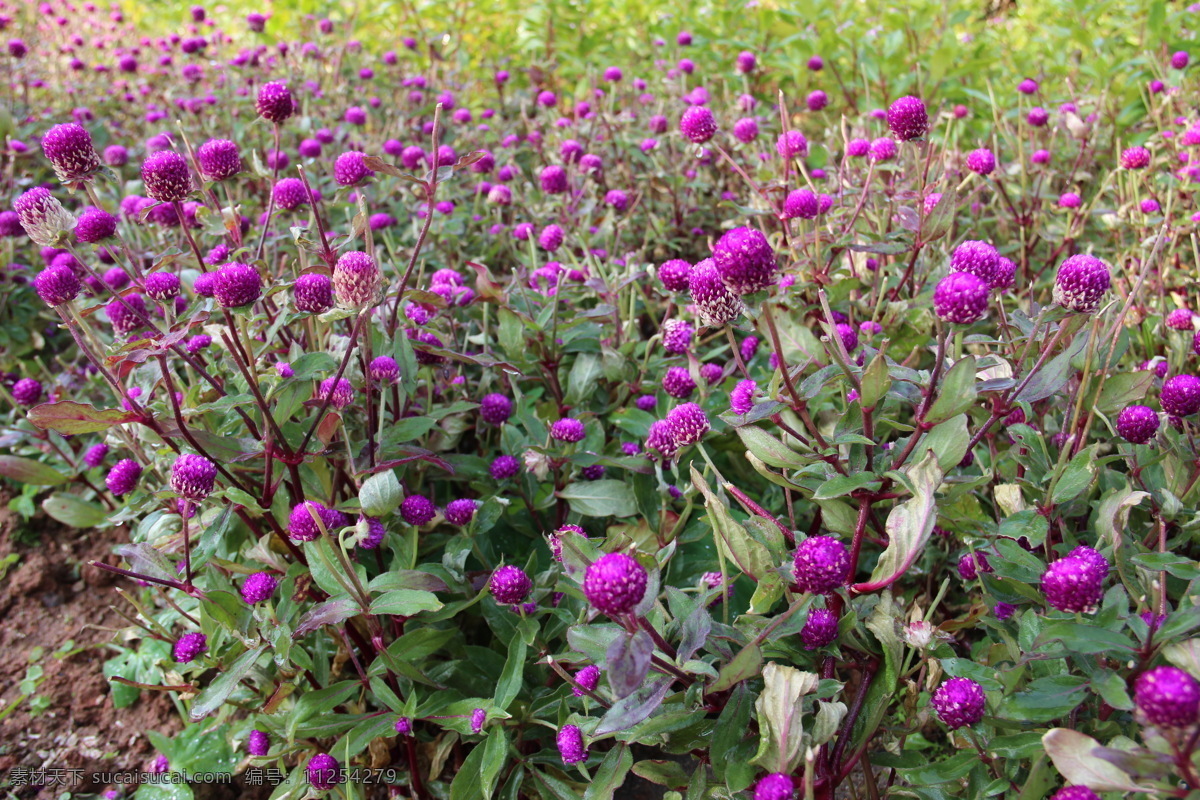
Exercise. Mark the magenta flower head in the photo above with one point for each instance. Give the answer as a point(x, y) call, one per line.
point(258, 587)
point(1135, 158)
point(95, 455)
point(978, 258)
point(674, 275)
point(417, 510)
point(883, 149)
point(960, 298)
point(510, 585)
point(57, 285)
point(324, 772)
point(745, 130)
point(357, 281)
point(687, 424)
point(123, 476)
point(1075, 793)
point(95, 225)
point(42, 216)
point(819, 629)
point(460, 512)
point(495, 408)
point(1081, 283)
point(1090, 556)
point(615, 584)
point(776, 786)
point(821, 564)
point(697, 124)
point(550, 238)
point(791, 145)
point(981, 161)
point(504, 467)
point(404, 726)
point(27, 391)
point(553, 179)
point(588, 678)
point(745, 260)
point(193, 476)
point(660, 439)
point(908, 119)
point(971, 564)
point(69, 148)
point(166, 176)
point(570, 745)
point(236, 285)
point(1073, 585)
point(313, 293)
point(741, 399)
point(290, 193)
point(1180, 395)
point(715, 304)
point(678, 383)
point(959, 702)
point(567, 429)
point(189, 646)
point(677, 336)
point(746, 62)
point(258, 743)
point(274, 102)
point(801, 204)
point(384, 369)
point(303, 525)
point(1179, 59)
point(1168, 697)
point(1137, 424)
point(218, 160)
point(350, 170)
point(339, 393)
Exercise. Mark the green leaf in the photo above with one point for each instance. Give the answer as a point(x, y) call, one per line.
point(1045, 699)
point(1076, 476)
point(405, 602)
point(610, 776)
point(476, 779)
point(957, 391)
point(602, 498)
point(71, 419)
point(950, 769)
point(73, 511)
point(629, 711)
point(845, 484)
point(26, 470)
point(581, 381)
point(509, 685)
point(908, 525)
point(495, 750)
point(216, 693)
point(741, 667)
point(875, 381)
point(1089, 639)
point(1073, 756)
point(1124, 389)
point(1028, 523)
point(769, 450)
point(948, 440)
point(731, 728)
point(380, 494)
point(1111, 686)
point(751, 556)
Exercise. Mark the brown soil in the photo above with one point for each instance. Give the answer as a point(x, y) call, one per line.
point(47, 598)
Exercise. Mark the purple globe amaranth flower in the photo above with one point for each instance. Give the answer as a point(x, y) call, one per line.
point(848, 335)
point(660, 438)
point(339, 392)
point(1038, 116)
point(166, 176)
point(236, 285)
point(495, 408)
point(57, 285)
point(478, 717)
point(588, 678)
point(218, 160)
point(258, 587)
point(883, 149)
point(678, 383)
point(716, 305)
point(313, 293)
point(960, 298)
point(95, 455)
point(745, 130)
point(1168, 697)
point(791, 144)
point(189, 646)
point(745, 62)
point(404, 726)
point(123, 476)
point(1003, 610)
point(10, 224)
point(550, 238)
point(674, 275)
point(42, 216)
point(697, 124)
point(976, 258)
point(27, 391)
point(971, 564)
point(349, 168)
point(504, 467)
point(1069, 200)
point(567, 430)
point(615, 584)
point(126, 313)
point(258, 743)
point(981, 161)
point(1179, 59)
point(324, 772)
point(290, 193)
point(1075, 793)
point(1081, 283)
point(274, 102)
point(303, 526)
point(510, 585)
point(617, 199)
point(70, 150)
point(1092, 557)
point(553, 179)
point(1073, 585)
point(959, 702)
point(1180, 395)
point(821, 564)
point(819, 629)
point(163, 286)
point(116, 156)
point(908, 119)
point(776, 786)
point(570, 745)
point(193, 476)
point(384, 369)
point(1135, 158)
point(816, 100)
point(417, 510)
point(460, 512)
point(677, 336)
point(357, 281)
point(741, 399)
point(370, 532)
